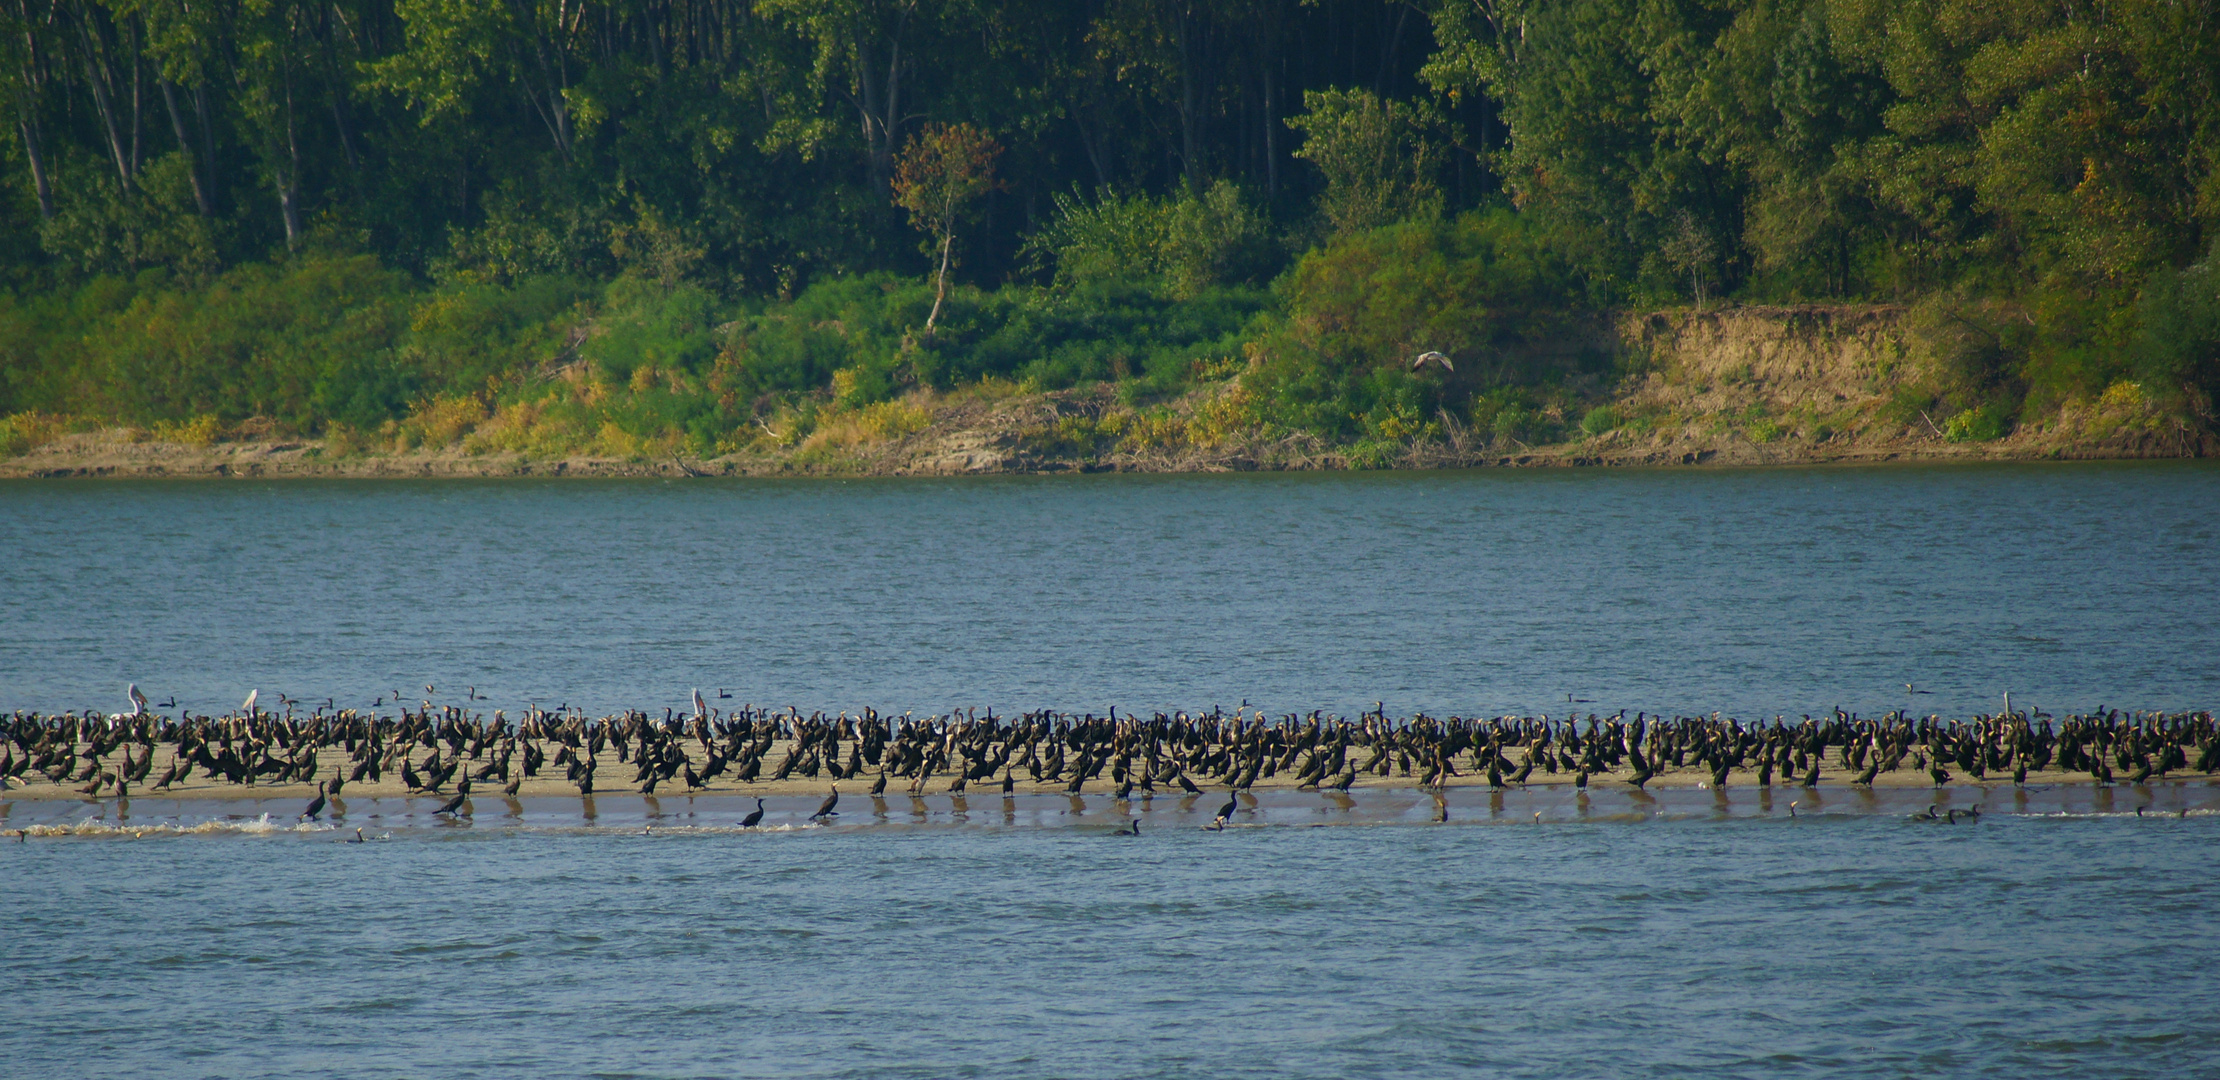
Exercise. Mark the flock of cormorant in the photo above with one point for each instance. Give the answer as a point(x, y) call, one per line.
point(446, 750)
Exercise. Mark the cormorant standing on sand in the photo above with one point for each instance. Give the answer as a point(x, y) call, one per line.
point(1642, 772)
point(825, 809)
point(454, 805)
point(316, 807)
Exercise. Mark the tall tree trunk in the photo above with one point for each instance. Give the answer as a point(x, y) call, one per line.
point(289, 178)
point(1094, 153)
point(213, 178)
point(185, 146)
point(1184, 29)
point(1388, 50)
point(27, 114)
point(336, 85)
point(30, 128)
point(135, 49)
point(100, 78)
point(940, 283)
point(880, 102)
point(1271, 120)
point(550, 57)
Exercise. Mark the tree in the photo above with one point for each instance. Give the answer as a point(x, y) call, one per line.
point(1378, 163)
point(1689, 250)
point(938, 177)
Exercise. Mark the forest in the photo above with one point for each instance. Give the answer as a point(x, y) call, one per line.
point(710, 226)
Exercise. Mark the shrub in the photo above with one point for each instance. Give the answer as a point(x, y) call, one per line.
point(875, 423)
point(1600, 420)
point(24, 432)
point(1981, 424)
point(1358, 309)
point(1378, 163)
point(1185, 244)
point(2176, 345)
point(198, 431)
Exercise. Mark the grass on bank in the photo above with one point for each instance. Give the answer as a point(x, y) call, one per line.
point(373, 361)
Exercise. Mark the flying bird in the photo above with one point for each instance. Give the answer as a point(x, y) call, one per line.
point(252, 695)
point(1431, 357)
point(138, 700)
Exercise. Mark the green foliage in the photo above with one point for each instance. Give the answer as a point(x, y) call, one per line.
point(98, 229)
point(1476, 287)
point(1851, 147)
point(640, 228)
point(1186, 244)
point(1048, 339)
point(1377, 159)
point(2177, 339)
point(311, 339)
point(1984, 424)
point(310, 342)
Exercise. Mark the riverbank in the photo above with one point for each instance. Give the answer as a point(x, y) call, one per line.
point(998, 448)
point(1740, 386)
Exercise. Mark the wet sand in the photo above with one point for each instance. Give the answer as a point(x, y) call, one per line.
point(383, 810)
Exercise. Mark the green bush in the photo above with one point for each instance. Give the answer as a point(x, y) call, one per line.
point(2176, 346)
point(1989, 422)
point(1600, 420)
point(1185, 244)
point(1357, 311)
point(1376, 157)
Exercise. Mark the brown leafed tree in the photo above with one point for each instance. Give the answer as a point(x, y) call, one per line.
point(940, 174)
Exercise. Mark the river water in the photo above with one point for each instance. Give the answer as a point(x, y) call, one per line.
point(1758, 592)
point(1858, 946)
point(1699, 933)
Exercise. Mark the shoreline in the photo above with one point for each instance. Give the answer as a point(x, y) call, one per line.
point(115, 455)
point(272, 812)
